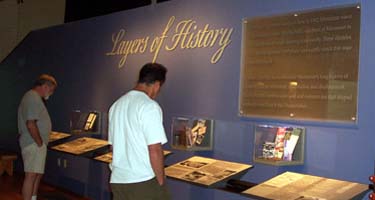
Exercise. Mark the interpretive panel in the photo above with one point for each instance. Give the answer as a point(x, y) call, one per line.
point(301, 65)
point(205, 171)
point(295, 186)
point(53, 136)
point(107, 158)
point(81, 145)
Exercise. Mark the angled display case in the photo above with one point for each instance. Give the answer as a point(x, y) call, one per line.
point(279, 145)
point(54, 136)
point(290, 185)
point(206, 172)
point(107, 157)
point(81, 145)
point(192, 133)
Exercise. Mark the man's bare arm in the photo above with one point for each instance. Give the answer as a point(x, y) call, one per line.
point(34, 132)
point(157, 161)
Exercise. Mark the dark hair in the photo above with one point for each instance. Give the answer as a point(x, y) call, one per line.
point(152, 72)
point(45, 79)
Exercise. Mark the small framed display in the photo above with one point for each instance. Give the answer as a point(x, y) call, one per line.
point(279, 145)
point(85, 122)
point(194, 134)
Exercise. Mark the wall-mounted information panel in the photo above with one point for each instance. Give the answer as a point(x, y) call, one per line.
point(206, 172)
point(301, 65)
point(295, 186)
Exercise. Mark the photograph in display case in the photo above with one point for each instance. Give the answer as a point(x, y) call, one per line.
point(296, 186)
point(81, 145)
point(206, 171)
point(54, 136)
point(192, 133)
point(107, 157)
point(279, 145)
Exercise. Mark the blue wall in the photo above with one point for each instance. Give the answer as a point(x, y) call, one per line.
point(88, 80)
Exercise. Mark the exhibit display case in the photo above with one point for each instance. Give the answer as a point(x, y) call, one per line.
point(206, 172)
point(107, 157)
point(290, 185)
point(279, 145)
point(54, 136)
point(194, 134)
point(81, 145)
point(85, 122)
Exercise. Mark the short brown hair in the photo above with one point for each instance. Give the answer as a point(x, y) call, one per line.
point(152, 72)
point(45, 79)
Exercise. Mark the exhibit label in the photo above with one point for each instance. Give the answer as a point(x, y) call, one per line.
point(184, 34)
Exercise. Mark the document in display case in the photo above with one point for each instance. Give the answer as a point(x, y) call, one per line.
point(81, 145)
point(279, 145)
point(107, 157)
point(206, 172)
point(295, 186)
point(194, 134)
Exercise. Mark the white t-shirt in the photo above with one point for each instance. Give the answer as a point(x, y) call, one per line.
point(135, 121)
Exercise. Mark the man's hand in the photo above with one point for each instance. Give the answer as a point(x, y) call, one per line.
point(34, 132)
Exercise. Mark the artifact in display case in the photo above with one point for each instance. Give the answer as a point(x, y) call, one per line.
point(85, 122)
point(206, 172)
point(295, 186)
point(195, 134)
point(107, 157)
point(279, 145)
point(54, 136)
point(81, 145)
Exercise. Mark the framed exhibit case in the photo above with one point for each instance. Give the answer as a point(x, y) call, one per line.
point(85, 122)
point(194, 134)
point(301, 65)
point(295, 186)
point(279, 145)
point(206, 172)
point(54, 136)
point(81, 145)
point(107, 157)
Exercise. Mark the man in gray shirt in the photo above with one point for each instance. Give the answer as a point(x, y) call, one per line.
point(34, 126)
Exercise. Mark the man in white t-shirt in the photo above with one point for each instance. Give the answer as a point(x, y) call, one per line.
point(136, 134)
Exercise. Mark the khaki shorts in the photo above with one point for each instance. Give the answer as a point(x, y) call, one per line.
point(147, 190)
point(34, 158)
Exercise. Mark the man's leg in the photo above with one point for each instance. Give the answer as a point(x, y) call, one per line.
point(28, 185)
point(36, 184)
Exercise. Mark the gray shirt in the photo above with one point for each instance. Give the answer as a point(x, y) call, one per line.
point(33, 108)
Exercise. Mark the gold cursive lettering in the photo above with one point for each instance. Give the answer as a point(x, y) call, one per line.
point(186, 35)
point(126, 47)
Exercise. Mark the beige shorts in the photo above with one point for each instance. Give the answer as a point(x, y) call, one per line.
point(34, 158)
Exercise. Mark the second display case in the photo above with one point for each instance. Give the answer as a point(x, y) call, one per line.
point(279, 145)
